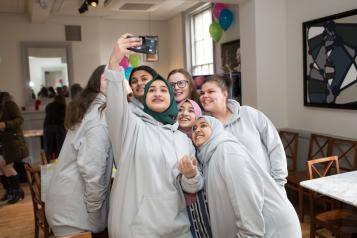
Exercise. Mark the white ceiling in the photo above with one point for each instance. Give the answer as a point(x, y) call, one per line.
point(40, 10)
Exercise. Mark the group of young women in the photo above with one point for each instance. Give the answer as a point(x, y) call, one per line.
point(162, 180)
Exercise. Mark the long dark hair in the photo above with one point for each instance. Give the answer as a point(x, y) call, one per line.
point(4, 98)
point(78, 107)
point(193, 92)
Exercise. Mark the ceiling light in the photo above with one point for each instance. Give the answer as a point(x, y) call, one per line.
point(93, 3)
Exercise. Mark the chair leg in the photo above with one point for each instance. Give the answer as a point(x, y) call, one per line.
point(312, 229)
point(37, 234)
point(301, 203)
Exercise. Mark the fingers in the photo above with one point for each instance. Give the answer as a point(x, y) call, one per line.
point(194, 162)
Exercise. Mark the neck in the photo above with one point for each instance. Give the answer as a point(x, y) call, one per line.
point(223, 115)
point(141, 99)
point(187, 131)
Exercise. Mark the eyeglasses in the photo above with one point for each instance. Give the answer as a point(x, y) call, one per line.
point(180, 84)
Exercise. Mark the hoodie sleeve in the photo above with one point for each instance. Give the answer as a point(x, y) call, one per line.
point(93, 156)
point(245, 190)
point(275, 149)
point(121, 121)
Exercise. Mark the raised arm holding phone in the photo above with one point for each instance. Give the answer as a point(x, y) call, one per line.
point(147, 198)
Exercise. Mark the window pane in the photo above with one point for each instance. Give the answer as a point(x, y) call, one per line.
point(201, 42)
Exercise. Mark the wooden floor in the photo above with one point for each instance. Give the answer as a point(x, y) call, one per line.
point(16, 220)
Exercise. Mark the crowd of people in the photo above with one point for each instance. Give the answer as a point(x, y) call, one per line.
point(188, 164)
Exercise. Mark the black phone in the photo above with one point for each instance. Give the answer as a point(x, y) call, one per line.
point(149, 45)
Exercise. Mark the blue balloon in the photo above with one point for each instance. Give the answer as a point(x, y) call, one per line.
point(128, 72)
point(226, 19)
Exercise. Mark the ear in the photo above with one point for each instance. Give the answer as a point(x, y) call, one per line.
point(225, 94)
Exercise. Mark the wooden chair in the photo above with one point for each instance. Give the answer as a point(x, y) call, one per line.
point(346, 150)
point(34, 179)
point(79, 235)
point(318, 147)
point(44, 160)
point(290, 142)
point(342, 223)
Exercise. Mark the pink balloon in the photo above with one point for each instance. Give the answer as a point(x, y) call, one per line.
point(217, 8)
point(124, 62)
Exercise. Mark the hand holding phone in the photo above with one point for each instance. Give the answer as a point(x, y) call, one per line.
point(149, 45)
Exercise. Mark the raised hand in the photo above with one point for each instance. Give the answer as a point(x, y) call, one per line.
point(188, 167)
point(121, 49)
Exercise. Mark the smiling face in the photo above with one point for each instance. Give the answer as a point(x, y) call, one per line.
point(158, 96)
point(180, 86)
point(213, 98)
point(138, 82)
point(186, 115)
point(201, 132)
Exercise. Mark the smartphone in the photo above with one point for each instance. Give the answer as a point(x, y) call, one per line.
point(149, 45)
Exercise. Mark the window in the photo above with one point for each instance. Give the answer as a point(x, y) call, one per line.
point(201, 43)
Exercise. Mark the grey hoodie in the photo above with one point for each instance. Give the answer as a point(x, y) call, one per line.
point(77, 198)
point(243, 199)
point(256, 132)
point(146, 199)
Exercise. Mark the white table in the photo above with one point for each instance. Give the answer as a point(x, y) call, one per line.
point(342, 187)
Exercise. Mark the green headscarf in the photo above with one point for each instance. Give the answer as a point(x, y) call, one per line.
point(168, 116)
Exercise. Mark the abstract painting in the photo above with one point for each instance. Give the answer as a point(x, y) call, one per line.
point(330, 62)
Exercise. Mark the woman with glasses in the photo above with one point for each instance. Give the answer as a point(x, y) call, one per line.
point(183, 85)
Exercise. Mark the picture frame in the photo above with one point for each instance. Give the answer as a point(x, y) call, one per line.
point(330, 62)
point(153, 57)
point(231, 65)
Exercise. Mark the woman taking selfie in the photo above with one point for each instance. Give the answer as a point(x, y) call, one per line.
point(147, 198)
point(250, 126)
point(243, 199)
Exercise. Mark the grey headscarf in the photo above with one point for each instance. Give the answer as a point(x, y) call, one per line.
point(218, 136)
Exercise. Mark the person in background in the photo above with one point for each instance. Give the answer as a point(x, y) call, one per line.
point(75, 91)
point(43, 93)
point(53, 128)
point(147, 198)
point(243, 199)
point(13, 148)
point(77, 198)
point(183, 85)
point(197, 208)
point(51, 92)
point(250, 126)
point(65, 91)
point(138, 78)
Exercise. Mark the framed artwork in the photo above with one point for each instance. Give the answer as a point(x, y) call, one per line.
point(153, 57)
point(330, 62)
point(231, 65)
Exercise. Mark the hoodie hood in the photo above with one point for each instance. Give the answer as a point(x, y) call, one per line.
point(218, 136)
point(136, 102)
point(235, 108)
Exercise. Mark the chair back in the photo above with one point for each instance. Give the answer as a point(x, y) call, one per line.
point(346, 150)
point(323, 166)
point(34, 179)
point(44, 160)
point(319, 146)
point(290, 143)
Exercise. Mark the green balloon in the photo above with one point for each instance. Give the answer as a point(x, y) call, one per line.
point(215, 31)
point(134, 60)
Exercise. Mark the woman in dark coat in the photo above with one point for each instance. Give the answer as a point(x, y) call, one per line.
point(12, 147)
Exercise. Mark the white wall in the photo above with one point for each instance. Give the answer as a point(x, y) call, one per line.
point(98, 38)
point(329, 121)
point(176, 43)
